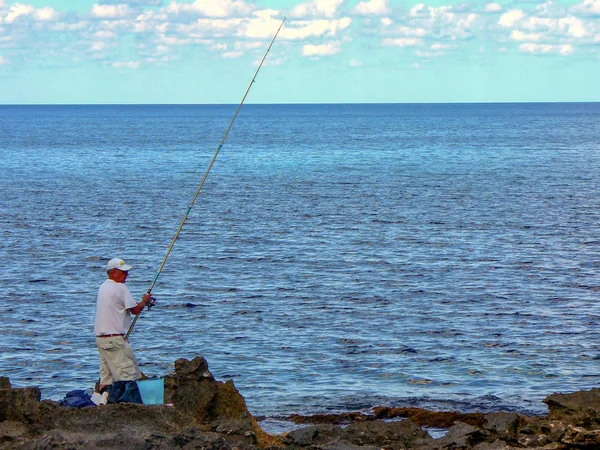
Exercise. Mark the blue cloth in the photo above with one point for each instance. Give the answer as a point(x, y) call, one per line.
point(124, 392)
point(77, 399)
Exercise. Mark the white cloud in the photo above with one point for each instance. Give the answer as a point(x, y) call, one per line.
point(539, 23)
point(99, 46)
point(209, 28)
point(315, 28)
point(75, 26)
point(518, 35)
point(510, 18)
point(355, 63)
point(372, 7)
point(18, 10)
point(249, 45)
point(407, 31)
point(104, 34)
point(210, 8)
point(317, 8)
point(127, 64)
point(261, 26)
point(439, 46)
point(573, 26)
point(45, 14)
point(110, 11)
point(492, 8)
point(588, 7)
point(423, 54)
point(232, 55)
point(564, 49)
point(321, 50)
point(418, 10)
point(3, 60)
point(402, 42)
point(386, 21)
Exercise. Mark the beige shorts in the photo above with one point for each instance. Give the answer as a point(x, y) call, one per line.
point(117, 362)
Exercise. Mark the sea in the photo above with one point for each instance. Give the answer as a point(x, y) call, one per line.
point(338, 257)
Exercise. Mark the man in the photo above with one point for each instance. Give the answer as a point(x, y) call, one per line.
point(114, 307)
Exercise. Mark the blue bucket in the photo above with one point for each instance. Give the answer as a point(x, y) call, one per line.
point(152, 391)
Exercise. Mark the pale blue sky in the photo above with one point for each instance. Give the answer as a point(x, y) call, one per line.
point(329, 51)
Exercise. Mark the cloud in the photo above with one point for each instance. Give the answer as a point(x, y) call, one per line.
point(372, 7)
point(520, 36)
point(573, 26)
point(18, 10)
point(315, 28)
point(385, 21)
point(263, 25)
point(321, 50)
point(587, 7)
point(492, 8)
point(407, 31)
point(510, 18)
point(3, 60)
point(564, 49)
point(439, 46)
point(355, 63)
point(126, 65)
point(418, 10)
point(402, 42)
point(445, 22)
point(110, 11)
point(45, 14)
point(210, 8)
point(317, 8)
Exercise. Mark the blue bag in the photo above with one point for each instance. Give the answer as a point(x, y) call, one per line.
point(77, 399)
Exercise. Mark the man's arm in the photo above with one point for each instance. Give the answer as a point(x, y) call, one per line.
point(141, 305)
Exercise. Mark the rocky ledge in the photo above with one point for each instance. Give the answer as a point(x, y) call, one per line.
point(204, 413)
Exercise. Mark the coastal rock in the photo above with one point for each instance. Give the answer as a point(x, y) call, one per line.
point(581, 406)
point(502, 423)
point(208, 414)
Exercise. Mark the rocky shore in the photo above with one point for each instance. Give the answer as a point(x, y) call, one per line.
point(203, 413)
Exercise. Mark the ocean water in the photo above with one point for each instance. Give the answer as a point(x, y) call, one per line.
point(339, 257)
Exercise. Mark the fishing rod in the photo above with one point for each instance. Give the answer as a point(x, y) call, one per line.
point(189, 208)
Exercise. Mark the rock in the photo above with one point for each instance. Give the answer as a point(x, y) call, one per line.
point(576, 406)
point(496, 445)
point(314, 434)
point(502, 423)
point(385, 434)
point(462, 435)
point(19, 404)
point(210, 414)
point(193, 389)
point(579, 437)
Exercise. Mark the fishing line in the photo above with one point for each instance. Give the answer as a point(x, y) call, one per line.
point(189, 208)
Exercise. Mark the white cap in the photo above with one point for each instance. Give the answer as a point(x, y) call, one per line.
point(117, 263)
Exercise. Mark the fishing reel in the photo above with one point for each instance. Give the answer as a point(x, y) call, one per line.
point(151, 303)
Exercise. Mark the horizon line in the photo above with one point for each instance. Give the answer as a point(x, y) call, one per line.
point(304, 104)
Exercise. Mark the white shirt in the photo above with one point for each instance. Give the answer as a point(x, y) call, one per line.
point(112, 315)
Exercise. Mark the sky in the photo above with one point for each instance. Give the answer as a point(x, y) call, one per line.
point(328, 51)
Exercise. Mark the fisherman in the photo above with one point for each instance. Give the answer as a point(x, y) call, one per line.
point(114, 307)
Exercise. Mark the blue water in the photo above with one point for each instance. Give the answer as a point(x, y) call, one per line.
point(339, 256)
